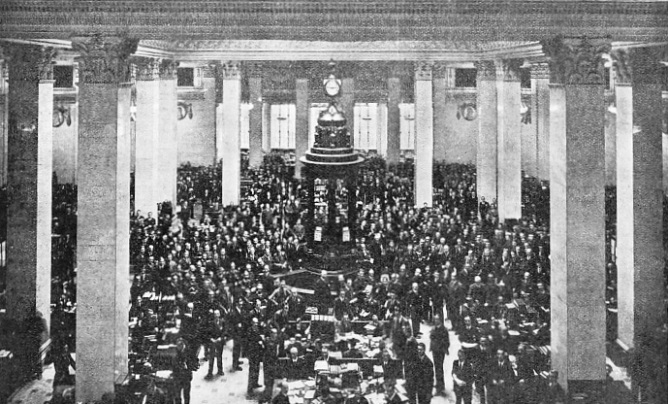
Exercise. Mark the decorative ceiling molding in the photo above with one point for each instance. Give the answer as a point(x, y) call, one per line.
point(351, 20)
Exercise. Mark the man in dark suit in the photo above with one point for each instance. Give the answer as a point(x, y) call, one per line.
point(217, 338)
point(353, 352)
point(183, 366)
point(440, 346)
point(392, 369)
point(255, 350)
point(273, 350)
point(499, 375)
point(294, 369)
point(282, 396)
point(423, 377)
point(462, 376)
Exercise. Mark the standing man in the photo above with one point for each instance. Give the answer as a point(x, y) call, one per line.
point(500, 375)
point(414, 303)
point(440, 346)
point(462, 377)
point(183, 366)
point(423, 377)
point(273, 350)
point(217, 338)
point(255, 345)
point(282, 396)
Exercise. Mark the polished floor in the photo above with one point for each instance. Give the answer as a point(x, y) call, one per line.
point(231, 388)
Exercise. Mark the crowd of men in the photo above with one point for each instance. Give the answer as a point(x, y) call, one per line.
point(209, 273)
point(419, 266)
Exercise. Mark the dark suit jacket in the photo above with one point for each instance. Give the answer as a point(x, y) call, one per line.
point(295, 370)
point(423, 374)
point(280, 399)
point(464, 373)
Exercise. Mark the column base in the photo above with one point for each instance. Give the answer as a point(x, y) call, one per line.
point(586, 391)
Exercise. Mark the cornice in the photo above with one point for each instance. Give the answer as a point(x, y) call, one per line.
point(336, 19)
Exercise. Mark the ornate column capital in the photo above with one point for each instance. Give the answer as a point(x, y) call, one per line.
point(576, 60)
point(230, 70)
point(486, 70)
point(509, 69)
point(254, 69)
point(423, 70)
point(33, 63)
point(168, 69)
point(439, 70)
point(147, 69)
point(638, 65)
point(105, 59)
point(540, 71)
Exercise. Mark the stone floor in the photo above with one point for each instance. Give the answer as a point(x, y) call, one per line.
point(231, 388)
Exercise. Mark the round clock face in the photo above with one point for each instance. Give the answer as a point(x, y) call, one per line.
point(332, 87)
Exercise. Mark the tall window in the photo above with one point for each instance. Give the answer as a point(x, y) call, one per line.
point(466, 77)
point(315, 110)
point(64, 76)
point(244, 129)
point(283, 126)
point(185, 77)
point(407, 126)
point(366, 126)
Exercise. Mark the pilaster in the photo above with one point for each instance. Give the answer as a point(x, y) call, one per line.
point(231, 124)
point(424, 134)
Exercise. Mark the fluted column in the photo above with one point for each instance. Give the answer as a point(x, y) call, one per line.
point(540, 81)
point(577, 211)
point(103, 228)
point(640, 257)
point(147, 152)
point(30, 164)
point(509, 140)
point(230, 121)
point(255, 118)
point(424, 135)
point(302, 110)
point(439, 82)
point(4, 114)
point(393, 117)
point(168, 150)
point(486, 158)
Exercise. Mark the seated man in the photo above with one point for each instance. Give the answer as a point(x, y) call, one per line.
point(353, 352)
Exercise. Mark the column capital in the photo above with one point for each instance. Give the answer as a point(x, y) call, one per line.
point(423, 70)
point(439, 70)
point(168, 69)
point(396, 70)
point(146, 69)
point(229, 70)
point(540, 71)
point(486, 70)
point(638, 65)
point(36, 62)
point(105, 59)
point(576, 60)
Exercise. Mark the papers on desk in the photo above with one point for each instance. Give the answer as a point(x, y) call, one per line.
point(377, 369)
point(163, 374)
point(350, 367)
point(296, 385)
point(320, 366)
point(513, 333)
point(336, 354)
point(309, 394)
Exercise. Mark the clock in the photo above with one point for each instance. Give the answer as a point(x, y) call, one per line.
point(332, 86)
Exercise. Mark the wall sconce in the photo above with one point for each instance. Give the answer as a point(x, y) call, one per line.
point(185, 109)
point(61, 115)
point(467, 110)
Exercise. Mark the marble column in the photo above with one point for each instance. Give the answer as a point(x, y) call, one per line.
point(103, 228)
point(30, 166)
point(147, 173)
point(509, 140)
point(486, 157)
point(266, 127)
point(302, 110)
point(577, 212)
point(381, 139)
point(540, 82)
point(393, 119)
point(255, 89)
point(424, 135)
point(439, 82)
point(168, 144)
point(4, 113)
point(347, 104)
point(230, 121)
point(451, 135)
point(639, 194)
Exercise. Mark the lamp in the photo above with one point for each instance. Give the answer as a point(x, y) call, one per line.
point(185, 109)
point(61, 114)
